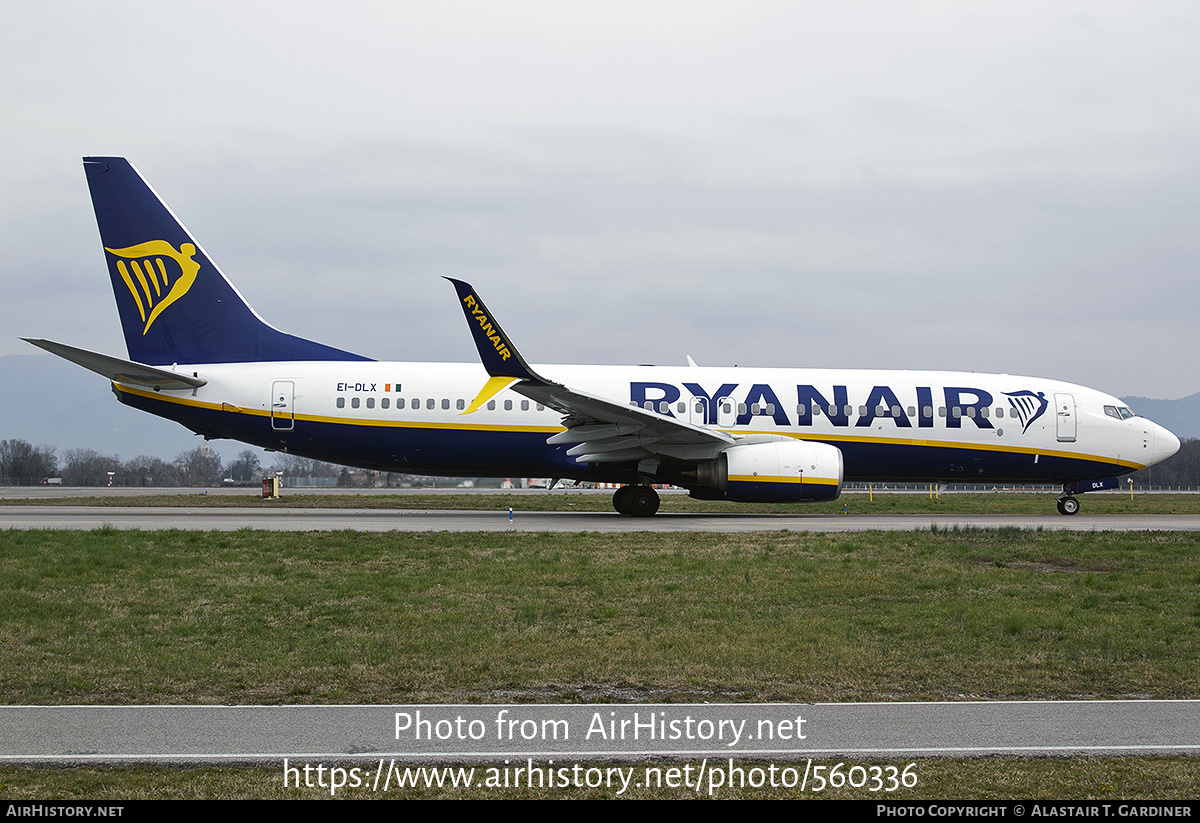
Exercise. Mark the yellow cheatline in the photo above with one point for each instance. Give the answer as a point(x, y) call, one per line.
point(763, 478)
point(490, 389)
point(950, 444)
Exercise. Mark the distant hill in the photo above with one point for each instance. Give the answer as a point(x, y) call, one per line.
point(1181, 416)
point(50, 402)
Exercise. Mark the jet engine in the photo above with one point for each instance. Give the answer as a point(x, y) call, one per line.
point(785, 471)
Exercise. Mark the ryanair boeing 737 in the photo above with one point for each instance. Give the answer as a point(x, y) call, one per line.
point(200, 355)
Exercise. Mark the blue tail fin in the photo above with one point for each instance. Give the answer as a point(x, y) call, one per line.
point(175, 304)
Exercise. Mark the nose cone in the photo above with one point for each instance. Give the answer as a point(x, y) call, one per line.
point(1163, 443)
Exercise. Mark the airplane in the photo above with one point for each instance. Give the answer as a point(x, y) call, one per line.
point(200, 355)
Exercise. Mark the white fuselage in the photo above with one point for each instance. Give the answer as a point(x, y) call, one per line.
point(917, 425)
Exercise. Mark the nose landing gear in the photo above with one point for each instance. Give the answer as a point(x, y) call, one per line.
point(1068, 504)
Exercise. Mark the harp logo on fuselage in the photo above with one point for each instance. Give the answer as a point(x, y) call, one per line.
point(156, 275)
point(1027, 406)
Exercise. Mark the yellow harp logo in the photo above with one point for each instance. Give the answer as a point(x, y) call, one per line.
point(154, 282)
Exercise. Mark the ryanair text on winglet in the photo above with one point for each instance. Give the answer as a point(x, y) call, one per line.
point(488, 329)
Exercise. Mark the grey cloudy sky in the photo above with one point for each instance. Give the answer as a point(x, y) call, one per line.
point(1008, 186)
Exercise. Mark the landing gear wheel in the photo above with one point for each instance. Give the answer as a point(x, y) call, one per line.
point(643, 501)
point(621, 500)
point(1068, 505)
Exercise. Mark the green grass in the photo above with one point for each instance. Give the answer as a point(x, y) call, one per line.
point(192, 617)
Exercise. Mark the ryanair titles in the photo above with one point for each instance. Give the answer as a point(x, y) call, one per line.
point(954, 404)
point(489, 331)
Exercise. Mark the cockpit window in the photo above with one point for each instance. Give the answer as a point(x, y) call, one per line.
point(1125, 413)
point(1118, 412)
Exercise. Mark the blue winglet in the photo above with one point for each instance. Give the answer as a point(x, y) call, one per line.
point(500, 357)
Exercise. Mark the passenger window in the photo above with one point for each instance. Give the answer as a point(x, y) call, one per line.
point(508, 405)
point(862, 411)
point(771, 408)
point(446, 404)
point(354, 402)
point(524, 405)
point(370, 402)
point(681, 407)
point(399, 402)
point(941, 411)
point(741, 408)
point(491, 405)
point(460, 404)
point(430, 403)
point(912, 411)
point(662, 406)
point(384, 403)
point(927, 411)
point(999, 411)
point(956, 412)
point(540, 407)
point(341, 402)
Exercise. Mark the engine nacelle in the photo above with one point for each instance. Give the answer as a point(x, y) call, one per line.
point(786, 471)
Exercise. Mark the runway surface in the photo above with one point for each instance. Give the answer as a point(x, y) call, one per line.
point(307, 519)
point(341, 734)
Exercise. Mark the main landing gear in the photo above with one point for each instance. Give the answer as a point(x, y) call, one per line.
point(636, 501)
point(1068, 504)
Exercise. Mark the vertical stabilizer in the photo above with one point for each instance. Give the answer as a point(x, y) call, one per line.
point(175, 304)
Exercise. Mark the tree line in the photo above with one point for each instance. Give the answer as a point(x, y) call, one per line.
point(23, 464)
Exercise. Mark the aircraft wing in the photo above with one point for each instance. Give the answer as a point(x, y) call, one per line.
point(605, 431)
point(118, 370)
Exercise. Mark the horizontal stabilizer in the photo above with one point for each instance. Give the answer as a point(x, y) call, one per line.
point(118, 370)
